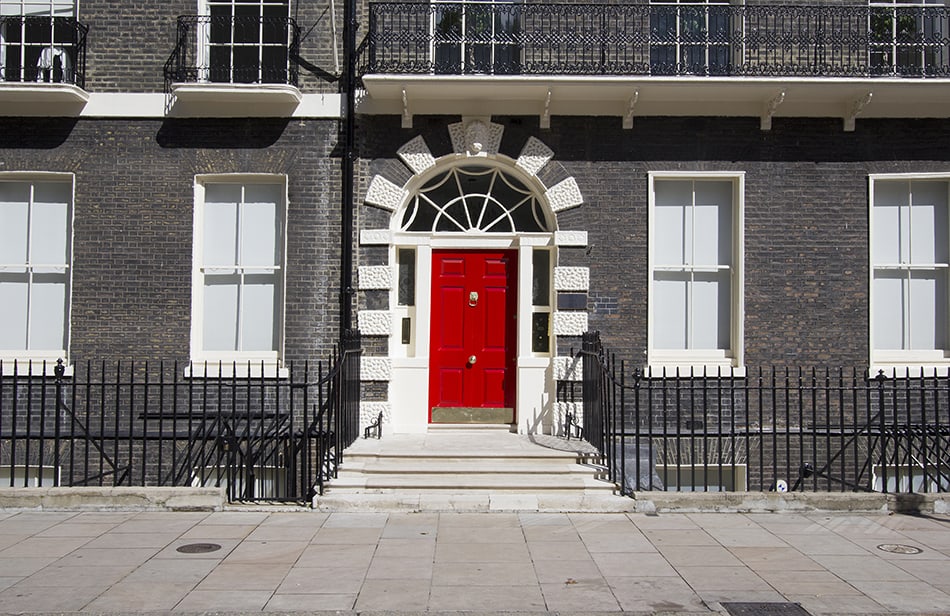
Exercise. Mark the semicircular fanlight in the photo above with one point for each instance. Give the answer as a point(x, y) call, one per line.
point(474, 199)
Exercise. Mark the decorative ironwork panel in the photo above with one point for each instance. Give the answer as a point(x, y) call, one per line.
point(43, 50)
point(672, 39)
point(239, 49)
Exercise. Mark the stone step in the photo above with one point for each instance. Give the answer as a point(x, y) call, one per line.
point(394, 482)
point(454, 468)
point(378, 466)
point(468, 502)
point(436, 458)
point(363, 449)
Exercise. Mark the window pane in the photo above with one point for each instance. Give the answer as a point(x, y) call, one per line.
point(49, 234)
point(407, 277)
point(888, 310)
point(220, 224)
point(928, 308)
point(13, 303)
point(669, 310)
point(712, 223)
point(711, 311)
point(47, 312)
point(673, 192)
point(886, 244)
point(540, 338)
point(260, 226)
point(928, 220)
point(258, 305)
point(14, 212)
point(541, 279)
point(668, 235)
point(220, 312)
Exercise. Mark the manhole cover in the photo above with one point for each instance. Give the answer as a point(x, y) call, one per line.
point(198, 548)
point(896, 548)
point(765, 609)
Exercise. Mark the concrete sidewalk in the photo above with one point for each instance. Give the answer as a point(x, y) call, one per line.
point(444, 562)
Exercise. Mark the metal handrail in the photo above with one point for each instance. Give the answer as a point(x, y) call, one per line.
point(818, 429)
point(259, 434)
point(43, 50)
point(216, 49)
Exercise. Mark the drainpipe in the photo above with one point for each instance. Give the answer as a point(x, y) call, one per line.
point(348, 89)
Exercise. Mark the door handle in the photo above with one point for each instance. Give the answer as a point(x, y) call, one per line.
point(471, 360)
point(473, 298)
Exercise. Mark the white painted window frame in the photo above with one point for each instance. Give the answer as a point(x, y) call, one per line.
point(896, 362)
point(4, 4)
point(204, 36)
point(212, 364)
point(693, 361)
point(32, 361)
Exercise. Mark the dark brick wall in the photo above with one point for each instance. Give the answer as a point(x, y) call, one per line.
point(126, 49)
point(132, 250)
point(128, 43)
point(806, 220)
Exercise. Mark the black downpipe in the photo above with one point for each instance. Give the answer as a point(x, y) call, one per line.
point(348, 89)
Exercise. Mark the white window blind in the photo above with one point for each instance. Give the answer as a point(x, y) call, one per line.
point(910, 258)
point(692, 263)
point(241, 267)
point(35, 220)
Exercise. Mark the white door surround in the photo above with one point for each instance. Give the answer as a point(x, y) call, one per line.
point(485, 222)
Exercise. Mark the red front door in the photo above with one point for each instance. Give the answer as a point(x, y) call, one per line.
point(472, 358)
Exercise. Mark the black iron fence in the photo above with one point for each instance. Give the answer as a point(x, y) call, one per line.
point(657, 39)
point(261, 434)
point(43, 50)
point(768, 429)
point(235, 50)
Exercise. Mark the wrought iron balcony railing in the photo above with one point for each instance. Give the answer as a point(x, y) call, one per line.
point(43, 50)
point(238, 49)
point(512, 38)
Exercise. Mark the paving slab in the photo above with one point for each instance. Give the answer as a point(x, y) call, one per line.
point(569, 572)
point(513, 597)
point(418, 547)
point(618, 564)
point(223, 600)
point(400, 568)
point(250, 576)
point(287, 602)
point(140, 597)
point(459, 552)
point(395, 595)
point(323, 580)
point(579, 596)
point(42, 599)
point(337, 555)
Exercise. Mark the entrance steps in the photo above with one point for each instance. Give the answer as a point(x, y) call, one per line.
point(458, 468)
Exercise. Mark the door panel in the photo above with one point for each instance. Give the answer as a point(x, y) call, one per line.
point(450, 333)
point(494, 383)
point(472, 357)
point(450, 386)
